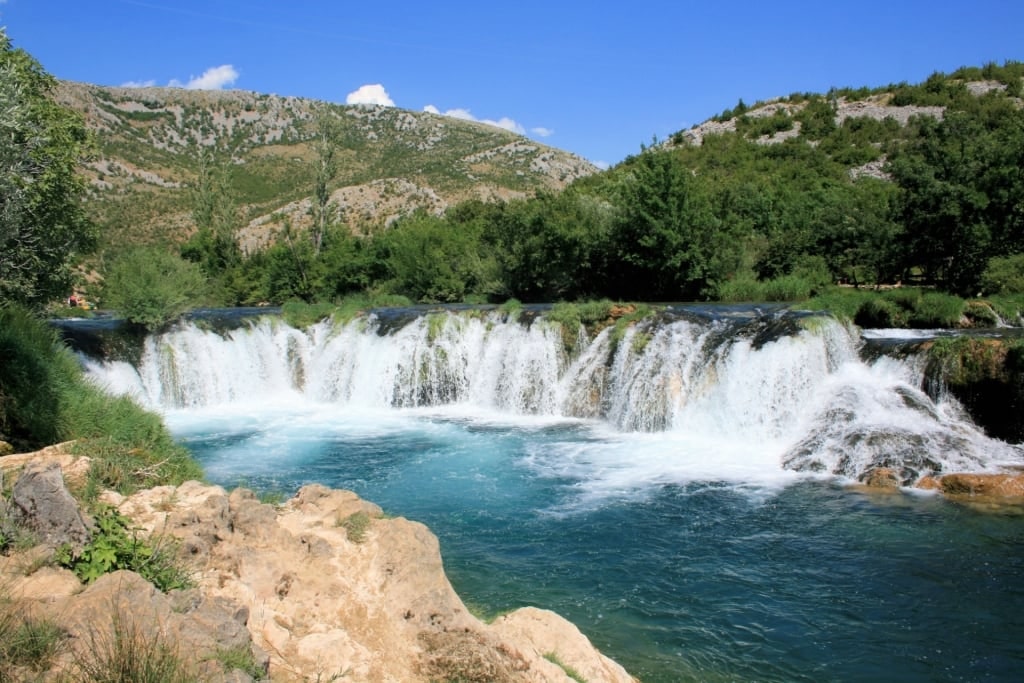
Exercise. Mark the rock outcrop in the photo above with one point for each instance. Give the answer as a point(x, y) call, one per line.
point(319, 587)
point(372, 604)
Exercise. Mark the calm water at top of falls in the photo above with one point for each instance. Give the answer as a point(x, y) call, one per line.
point(638, 488)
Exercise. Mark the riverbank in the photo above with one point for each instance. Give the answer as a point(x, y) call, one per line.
point(318, 587)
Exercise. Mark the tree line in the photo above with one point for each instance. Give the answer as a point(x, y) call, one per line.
point(741, 216)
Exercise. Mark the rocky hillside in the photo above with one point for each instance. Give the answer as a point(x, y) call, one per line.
point(391, 161)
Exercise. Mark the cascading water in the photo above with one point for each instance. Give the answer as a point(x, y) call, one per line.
point(658, 485)
point(801, 392)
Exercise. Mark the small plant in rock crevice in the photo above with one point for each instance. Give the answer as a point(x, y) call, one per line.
point(115, 545)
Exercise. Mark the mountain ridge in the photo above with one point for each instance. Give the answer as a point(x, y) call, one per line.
point(391, 161)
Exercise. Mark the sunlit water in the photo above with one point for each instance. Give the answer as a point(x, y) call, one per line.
point(678, 573)
point(645, 488)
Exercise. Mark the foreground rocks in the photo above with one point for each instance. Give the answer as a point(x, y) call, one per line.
point(319, 588)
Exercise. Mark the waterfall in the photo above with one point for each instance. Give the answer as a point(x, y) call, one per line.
point(795, 384)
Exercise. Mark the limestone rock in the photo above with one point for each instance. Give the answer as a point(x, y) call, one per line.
point(881, 478)
point(124, 605)
point(377, 609)
point(41, 502)
point(1006, 487)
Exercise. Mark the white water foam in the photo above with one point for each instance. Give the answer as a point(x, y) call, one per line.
point(672, 402)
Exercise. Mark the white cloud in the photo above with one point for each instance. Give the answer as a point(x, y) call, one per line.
point(214, 78)
point(542, 132)
point(370, 94)
point(139, 84)
point(464, 114)
point(603, 165)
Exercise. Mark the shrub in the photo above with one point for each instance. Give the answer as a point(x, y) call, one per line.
point(878, 312)
point(1004, 275)
point(151, 287)
point(787, 288)
point(115, 545)
point(935, 309)
point(740, 289)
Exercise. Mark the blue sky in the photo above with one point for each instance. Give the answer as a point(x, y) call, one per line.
point(595, 78)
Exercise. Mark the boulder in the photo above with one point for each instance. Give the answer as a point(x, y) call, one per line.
point(41, 503)
point(881, 478)
point(1005, 487)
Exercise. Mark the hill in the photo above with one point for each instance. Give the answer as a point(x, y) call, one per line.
point(390, 161)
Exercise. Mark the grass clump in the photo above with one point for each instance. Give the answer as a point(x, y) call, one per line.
point(240, 659)
point(128, 653)
point(569, 671)
point(512, 308)
point(571, 317)
point(301, 315)
point(26, 642)
point(356, 525)
point(358, 304)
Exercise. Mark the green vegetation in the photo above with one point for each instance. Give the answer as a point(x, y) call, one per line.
point(356, 525)
point(45, 399)
point(301, 315)
point(242, 659)
point(43, 225)
point(151, 287)
point(26, 641)
point(115, 545)
point(569, 671)
point(127, 652)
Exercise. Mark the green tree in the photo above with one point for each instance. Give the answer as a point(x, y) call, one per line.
point(429, 262)
point(43, 225)
point(324, 145)
point(214, 245)
point(666, 243)
point(152, 287)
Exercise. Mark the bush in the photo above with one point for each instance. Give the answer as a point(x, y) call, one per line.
point(152, 287)
point(935, 309)
point(1004, 275)
point(878, 312)
point(787, 288)
point(115, 545)
point(740, 289)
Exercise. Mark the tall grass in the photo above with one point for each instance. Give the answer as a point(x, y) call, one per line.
point(45, 398)
point(27, 643)
point(127, 652)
